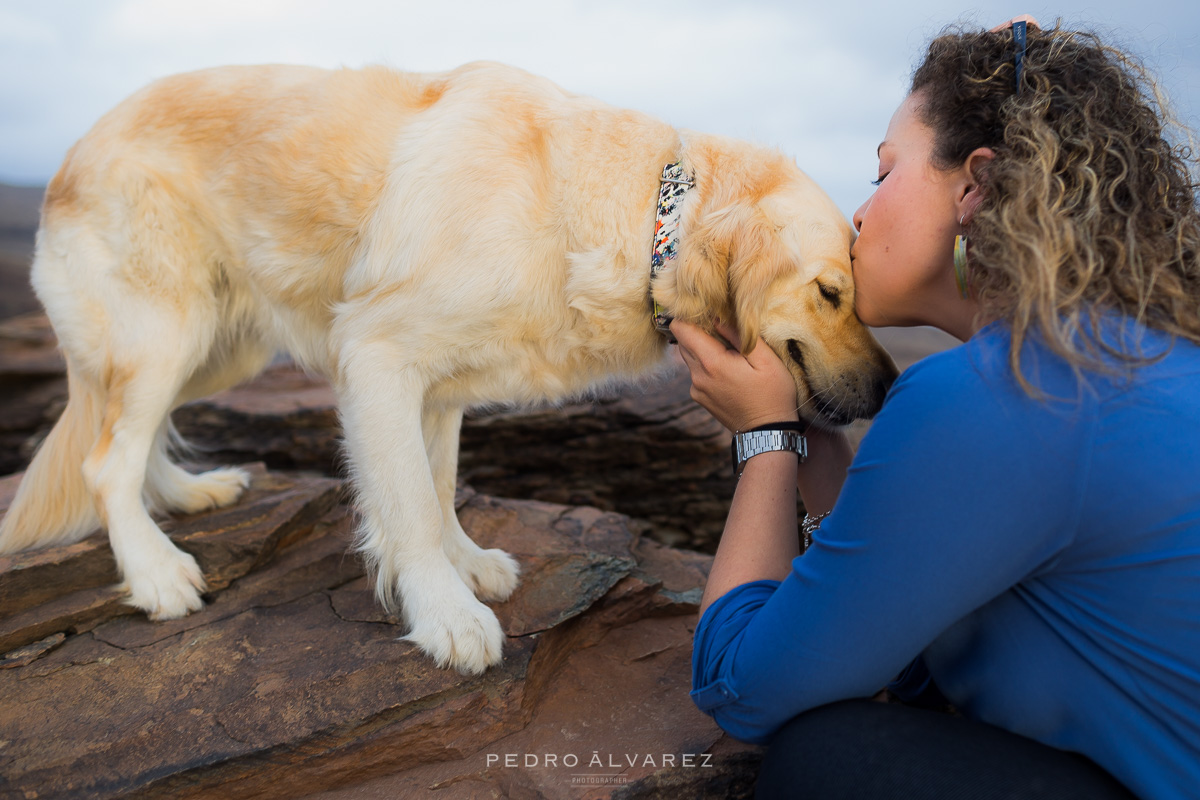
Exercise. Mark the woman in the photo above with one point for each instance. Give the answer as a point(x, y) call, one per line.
point(1020, 528)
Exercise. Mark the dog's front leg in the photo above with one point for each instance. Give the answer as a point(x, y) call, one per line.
point(491, 574)
point(401, 529)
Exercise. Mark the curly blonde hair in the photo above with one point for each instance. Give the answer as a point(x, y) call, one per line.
point(1088, 208)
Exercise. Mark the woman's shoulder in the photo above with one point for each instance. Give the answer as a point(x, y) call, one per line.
point(957, 368)
point(1133, 355)
point(974, 375)
point(987, 349)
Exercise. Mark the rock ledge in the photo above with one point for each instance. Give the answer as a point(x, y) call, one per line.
point(292, 682)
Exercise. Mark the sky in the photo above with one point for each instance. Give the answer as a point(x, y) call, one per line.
point(817, 81)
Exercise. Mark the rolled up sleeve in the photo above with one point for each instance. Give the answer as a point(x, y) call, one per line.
point(714, 654)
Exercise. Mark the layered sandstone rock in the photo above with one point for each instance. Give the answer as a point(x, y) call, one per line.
point(292, 680)
point(19, 211)
point(33, 387)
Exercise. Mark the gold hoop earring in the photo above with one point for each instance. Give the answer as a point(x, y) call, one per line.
point(960, 261)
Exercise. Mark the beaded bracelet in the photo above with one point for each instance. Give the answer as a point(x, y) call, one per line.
point(808, 525)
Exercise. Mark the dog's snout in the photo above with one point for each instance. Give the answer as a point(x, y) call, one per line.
point(854, 392)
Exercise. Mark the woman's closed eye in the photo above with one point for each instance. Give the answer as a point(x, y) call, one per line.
point(879, 180)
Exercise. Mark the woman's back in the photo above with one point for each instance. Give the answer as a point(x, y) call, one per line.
point(1097, 650)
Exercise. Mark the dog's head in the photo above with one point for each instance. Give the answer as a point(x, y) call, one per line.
point(766, 248)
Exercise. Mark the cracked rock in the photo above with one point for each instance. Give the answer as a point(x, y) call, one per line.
point(291, 681)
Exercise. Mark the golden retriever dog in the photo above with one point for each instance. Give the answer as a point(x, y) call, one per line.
point(428, 242)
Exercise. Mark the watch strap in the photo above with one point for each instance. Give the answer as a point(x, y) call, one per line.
point(747, 444)
point(798, 427)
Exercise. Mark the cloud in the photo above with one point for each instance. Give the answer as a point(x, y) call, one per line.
point(818, 81)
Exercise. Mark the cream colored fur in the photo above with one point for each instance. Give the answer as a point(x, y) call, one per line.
point(429, 243)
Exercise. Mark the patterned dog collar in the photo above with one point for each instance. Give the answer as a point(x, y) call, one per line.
point(674, 185)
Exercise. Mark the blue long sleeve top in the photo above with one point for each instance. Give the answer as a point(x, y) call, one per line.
point(1039, 557)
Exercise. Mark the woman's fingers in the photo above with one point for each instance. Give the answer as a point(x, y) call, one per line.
point(696, 346)
point(700, 349)
point(1026, 18)
point(741, 393)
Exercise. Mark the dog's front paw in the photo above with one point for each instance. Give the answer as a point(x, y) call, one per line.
point(490, 574)
point(459, 632)
point(167, 587)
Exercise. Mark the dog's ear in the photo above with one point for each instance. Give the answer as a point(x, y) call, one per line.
point(728, 262)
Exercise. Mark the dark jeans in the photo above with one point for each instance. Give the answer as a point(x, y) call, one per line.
point(863, 750)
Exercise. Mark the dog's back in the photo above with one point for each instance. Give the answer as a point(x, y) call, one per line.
point(201, 179)
point(306, 186)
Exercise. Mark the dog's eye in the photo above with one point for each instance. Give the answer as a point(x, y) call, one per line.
point(832, 295)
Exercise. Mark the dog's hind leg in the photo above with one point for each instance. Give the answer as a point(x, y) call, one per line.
point(491, 574)
point(169, 487)
point(142, 383)
point(401, 529)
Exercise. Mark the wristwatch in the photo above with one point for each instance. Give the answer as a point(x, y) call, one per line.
point(751, 443)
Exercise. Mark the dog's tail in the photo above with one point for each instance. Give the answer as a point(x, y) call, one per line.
point(53, 505)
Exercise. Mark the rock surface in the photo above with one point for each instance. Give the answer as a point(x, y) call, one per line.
point(45, 592)
point(19, 211)
point(291, 680)
point(33, 388)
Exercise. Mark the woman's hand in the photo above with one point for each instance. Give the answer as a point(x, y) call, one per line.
point(745, 392)
point(742, 392)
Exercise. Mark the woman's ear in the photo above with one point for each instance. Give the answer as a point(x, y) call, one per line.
point(973, 180)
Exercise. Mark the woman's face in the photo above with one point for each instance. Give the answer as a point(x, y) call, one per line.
point(903, 259)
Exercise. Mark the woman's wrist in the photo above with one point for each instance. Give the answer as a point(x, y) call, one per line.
point(765, 421)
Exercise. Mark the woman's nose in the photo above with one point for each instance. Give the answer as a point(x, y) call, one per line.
point(858, 215)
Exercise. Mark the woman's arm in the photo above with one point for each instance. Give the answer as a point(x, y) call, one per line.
point(760, 537)
point(941, 512)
